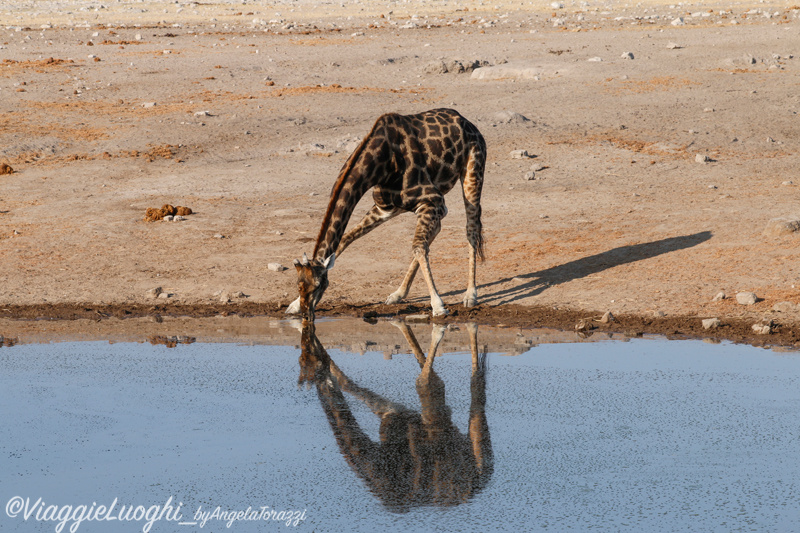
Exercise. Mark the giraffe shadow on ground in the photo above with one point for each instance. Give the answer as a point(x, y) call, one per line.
point(537, 282)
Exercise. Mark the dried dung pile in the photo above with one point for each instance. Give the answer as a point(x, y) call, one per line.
point(153, 214)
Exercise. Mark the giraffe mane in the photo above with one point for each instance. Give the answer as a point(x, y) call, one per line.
point(339, 185)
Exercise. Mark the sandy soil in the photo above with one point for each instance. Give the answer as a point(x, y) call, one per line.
point(245, 112)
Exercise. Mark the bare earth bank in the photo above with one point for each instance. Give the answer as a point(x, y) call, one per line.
point(656, 177)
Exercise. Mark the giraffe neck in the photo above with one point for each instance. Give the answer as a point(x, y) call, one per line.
point(350, 186)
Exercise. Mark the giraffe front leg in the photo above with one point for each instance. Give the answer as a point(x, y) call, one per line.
point(374, 218)
point(429, 222)
point(400, 294)
point(437, 304)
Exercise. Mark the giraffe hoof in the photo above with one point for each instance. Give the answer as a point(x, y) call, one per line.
point(394, 298)
point(470, 299)
point(440, 312)
point(294, 308)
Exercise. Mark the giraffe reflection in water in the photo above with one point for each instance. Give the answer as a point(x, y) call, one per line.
point(422, 458)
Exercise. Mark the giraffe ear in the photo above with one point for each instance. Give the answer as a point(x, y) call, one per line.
point(328, 263)
point(297, 263)
point(305, 259)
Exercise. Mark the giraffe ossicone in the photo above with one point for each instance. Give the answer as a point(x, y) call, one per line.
point(410, 162)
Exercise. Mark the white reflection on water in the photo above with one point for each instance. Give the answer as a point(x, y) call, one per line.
point(644, 435)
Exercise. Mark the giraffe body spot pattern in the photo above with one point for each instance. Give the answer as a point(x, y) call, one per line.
point(410, 162)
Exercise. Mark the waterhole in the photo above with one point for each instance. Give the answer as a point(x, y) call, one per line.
point(265, 425)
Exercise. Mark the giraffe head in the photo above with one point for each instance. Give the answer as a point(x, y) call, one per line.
point(312, 280)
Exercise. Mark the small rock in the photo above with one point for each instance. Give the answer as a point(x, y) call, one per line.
point(178, 218)
point(746, 298)
point(702, 158)
point(785, 307)
point(595, 59)
point(203, 114)
point(138, 37)
point(147, 105)
point(659, 314)
point(455, 66)
point(276, 267)
point(168, 218)
point(627, 55)
point(519, 154)
point(154, 292)
point(164, 295)
point(607, 318)
point(417, 318)
point(219, 236)
point(677, 22)
point(719, 297)
point(711, 323)
point(584, 325)
point(5, 169)
point(509, 117)
point(530, 175)
point(435, 67)
point(762, 329)
point(673, 46)
point(782, 226)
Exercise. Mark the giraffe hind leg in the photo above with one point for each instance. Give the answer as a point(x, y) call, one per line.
point(471, 188)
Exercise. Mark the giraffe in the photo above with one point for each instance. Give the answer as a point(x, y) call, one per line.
point(421, 458)
point(410, 162)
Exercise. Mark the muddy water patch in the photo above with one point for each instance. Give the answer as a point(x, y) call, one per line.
point(436, 433)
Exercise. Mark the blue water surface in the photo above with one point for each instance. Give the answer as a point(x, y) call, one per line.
point(646, 435)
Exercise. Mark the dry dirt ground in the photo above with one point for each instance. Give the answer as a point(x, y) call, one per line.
point(246, 111)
